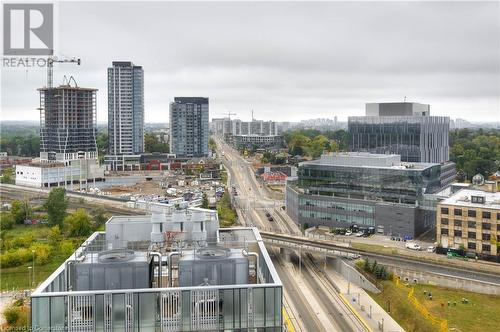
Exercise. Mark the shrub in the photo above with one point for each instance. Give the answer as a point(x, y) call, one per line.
point(42, 253)
point(11, 315)
point(66, 248)
point(78, 223)
point(15, 257)
point(6, 220)
point(16, 316)
point(55, 236)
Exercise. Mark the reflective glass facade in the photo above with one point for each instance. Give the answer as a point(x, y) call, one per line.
point(386, 184)
point(394, 199)
point(415, 138)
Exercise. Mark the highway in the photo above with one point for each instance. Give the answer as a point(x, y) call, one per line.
point(325, 311)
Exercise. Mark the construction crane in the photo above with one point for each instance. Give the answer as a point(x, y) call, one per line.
point(50, 67)
point(228, 115)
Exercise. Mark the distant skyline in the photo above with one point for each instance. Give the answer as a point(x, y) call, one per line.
point(288, 61)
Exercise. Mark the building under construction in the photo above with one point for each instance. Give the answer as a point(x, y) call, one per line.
point(68, 123)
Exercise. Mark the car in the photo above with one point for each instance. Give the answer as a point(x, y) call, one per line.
point(366, 234)
point(348, 233)
point(412, 246)
point(359, 234)
point(270, 218)
point(431, 249)
point(268, 214)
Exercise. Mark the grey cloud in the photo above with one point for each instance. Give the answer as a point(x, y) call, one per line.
point(299, 59)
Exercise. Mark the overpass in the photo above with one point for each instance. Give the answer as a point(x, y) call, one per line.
point(305, 244)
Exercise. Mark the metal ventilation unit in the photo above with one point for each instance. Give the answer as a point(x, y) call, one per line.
point(112, 269)
point(213, 265)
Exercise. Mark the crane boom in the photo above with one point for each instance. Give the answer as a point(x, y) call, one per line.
point(50, 67)
point(229, 115)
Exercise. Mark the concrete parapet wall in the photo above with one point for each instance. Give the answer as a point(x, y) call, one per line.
point(350, 274)
point(442, 280)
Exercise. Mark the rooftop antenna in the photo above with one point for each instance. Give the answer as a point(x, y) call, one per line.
point(252, 116)
point(404, 100)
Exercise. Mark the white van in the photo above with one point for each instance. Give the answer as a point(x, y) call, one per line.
point(412, 246)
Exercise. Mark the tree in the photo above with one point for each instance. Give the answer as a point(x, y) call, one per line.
point(56, 205)
point(151, 144)
point(211, 144)
point(78, 223)
point(6, 221)
point(204, 203)
point(99, 216)
point(7, 175)
point(20, 211)
point(55, 236)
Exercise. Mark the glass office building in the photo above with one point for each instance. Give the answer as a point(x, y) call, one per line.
point(148, 273)
point(366, 190)
point(405, 129)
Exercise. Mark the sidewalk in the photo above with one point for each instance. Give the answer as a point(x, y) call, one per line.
point(366, 307)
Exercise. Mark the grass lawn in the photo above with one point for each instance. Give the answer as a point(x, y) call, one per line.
point(482, 313)
point(17, 277)
point(374, 248)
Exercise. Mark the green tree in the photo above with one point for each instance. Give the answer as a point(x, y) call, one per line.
point(6, 221)
point(78, 223)
point(56, 206)
point(55, 236)
point(204, 203)
point(99, 216)
point(151, 144)
point(211, 144)
point(7, 175)
point(21, 210)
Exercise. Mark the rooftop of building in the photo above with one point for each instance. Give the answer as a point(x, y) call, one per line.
point(491, 200)
point(191, 100)
point(67, 87)
point(124, 64)
point(256, 135)
point(160, 252)
point(366, 159)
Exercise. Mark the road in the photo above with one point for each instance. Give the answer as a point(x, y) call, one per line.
point(320, 313)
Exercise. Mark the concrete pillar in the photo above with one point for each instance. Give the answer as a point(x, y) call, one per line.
point(285, 253)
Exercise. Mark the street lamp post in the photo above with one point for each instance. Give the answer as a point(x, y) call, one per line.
point(29, 276)
point(33, 266)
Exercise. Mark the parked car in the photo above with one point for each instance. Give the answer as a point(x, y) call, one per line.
point(359, 234)
point(431, 249)
point(348, 233)
point(412, 246)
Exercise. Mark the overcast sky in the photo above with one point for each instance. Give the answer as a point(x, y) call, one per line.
point(287, 61)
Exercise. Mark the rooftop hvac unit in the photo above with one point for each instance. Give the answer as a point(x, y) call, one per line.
point(112, 269)
point(217, 266)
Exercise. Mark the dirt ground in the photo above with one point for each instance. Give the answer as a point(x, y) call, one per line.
point(145, 188)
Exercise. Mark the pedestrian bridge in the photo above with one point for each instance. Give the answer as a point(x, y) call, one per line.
point(305, 244)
